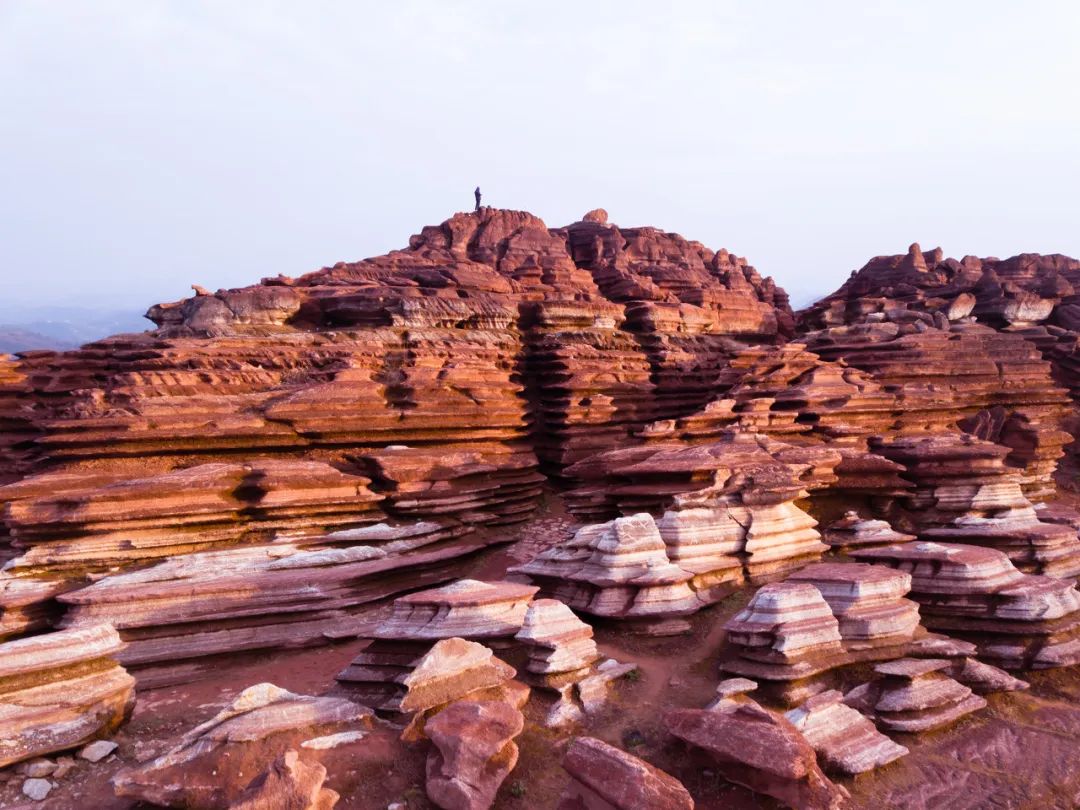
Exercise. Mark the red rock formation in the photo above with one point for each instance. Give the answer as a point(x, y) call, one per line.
point(288, 784)
point(467, 609)
point(965, 493)
point(916, 296)
point(827, 616)
point(1018, 621)
point(759, 750)
point(605, 778)
point(178, 615)
point(61, 690)
point(474, 751)
point(621, 570)
point(853, 531)
point(845, 741)
point(914, 695)
point(205, 769)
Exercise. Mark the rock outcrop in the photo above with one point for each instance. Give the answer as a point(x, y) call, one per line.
point(178, 615)
point(621, 570)
point(759, 750)
point(468, 609)
point(289, 784)
point(205, 769)
point(61, 690)
point(965, 493)
point(914, 695)
point(824, 617)
point(853, 531)
point(606, 778)
point(1017, 621)
point(845, 741)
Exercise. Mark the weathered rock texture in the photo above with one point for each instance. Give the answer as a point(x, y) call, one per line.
point(824, 617)
point(845, 741)
point(288, 784)
point(61, 690)
point(1017, 620)
point(914, 695)
point(177, 615)
point(965, 493)
point(904, 308)
point(212, 766)
point(429, 384)
point(622, 570)
point(606, 778)
point(759, 750)
point(381, 675)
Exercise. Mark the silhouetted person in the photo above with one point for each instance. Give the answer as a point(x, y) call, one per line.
point(477, 195)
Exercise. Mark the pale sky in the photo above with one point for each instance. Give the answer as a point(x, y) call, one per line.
point(150, 144)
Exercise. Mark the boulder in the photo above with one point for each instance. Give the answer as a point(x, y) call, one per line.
point(606, 778)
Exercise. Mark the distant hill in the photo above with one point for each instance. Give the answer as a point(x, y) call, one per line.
point(62, 327)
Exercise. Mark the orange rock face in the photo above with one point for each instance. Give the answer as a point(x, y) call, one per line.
point(430, 384)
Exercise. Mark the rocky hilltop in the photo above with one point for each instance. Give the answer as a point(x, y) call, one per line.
point(519, 484)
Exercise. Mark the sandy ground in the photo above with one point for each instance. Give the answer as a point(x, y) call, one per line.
point(1023, 751)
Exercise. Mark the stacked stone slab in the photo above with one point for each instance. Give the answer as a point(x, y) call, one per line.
point(178, 615)
point(733, 498)
point(563, 659)
point(914, 695)
point(621, 570)
point(467, 609)
point(786, 634)
point(792, 634)
point(853, 531)
point(61, 690)
point(846, 742)
point(465, 701)
point(561, 646)
point(68, 526)
point(965, 493)
point(868, 602)
point(1017, 620)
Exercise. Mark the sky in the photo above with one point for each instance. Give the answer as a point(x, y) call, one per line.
point(151, 144)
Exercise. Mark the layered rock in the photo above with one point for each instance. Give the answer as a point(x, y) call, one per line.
point(855, 531)
point(719, 506)
point(965, 493)
point(948, 371)
point(204, 770)
point(467, 705)
point(845, 741)
point(468, 609)
point(786, 634)
point(621, 570)
point(759, 750)
point(913, 695)
point(61, 690)
point(606, 778)
point(71, 525)
point(1017, 620)
point(868, 603)
point(824, 617)
point(558, 642)
point(178, 615)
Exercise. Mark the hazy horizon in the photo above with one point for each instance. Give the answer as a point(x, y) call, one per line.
point(154, 145)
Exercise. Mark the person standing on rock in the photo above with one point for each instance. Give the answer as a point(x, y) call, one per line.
point(476, 194)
